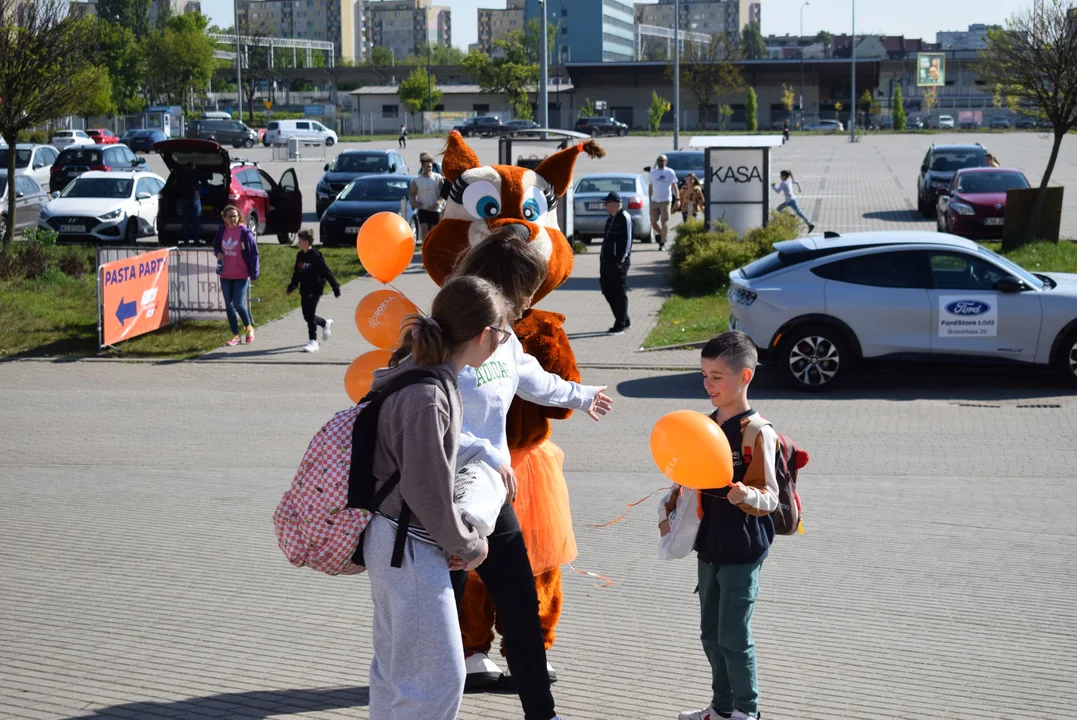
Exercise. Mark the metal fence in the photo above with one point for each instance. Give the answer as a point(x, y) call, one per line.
point(298, 150)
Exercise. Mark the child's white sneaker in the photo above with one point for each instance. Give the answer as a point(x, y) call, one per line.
point(707, 713)
point(481, 672)
point(327, 331)
point(311, 347)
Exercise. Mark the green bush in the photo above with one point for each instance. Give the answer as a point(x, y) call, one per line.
point(702, 258)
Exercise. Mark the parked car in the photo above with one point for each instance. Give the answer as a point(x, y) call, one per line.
point(226, 132)
point(33, 160)
point(974, 204)
point(361, 198)
point(143, 140)
point(1025, 122)
point(599, 126)
point(102, 136)
point(684, 162)
point(589, 200)
point(945, 122)
point(825, 126)
point(352, 164)
point(30, 197)
point(938, 168)
point(67, 138)
point(279, 131)
point(1000, 123)
point(481, 126)
point(268, 206)
point(105, 207)
point(518, 125)
point(74, 161)
point(818, 305)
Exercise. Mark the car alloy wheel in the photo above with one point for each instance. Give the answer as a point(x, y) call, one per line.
point(330, 142)
point(3, 226)
point(1066, 360)
point(248, 143)
point(815, 358)
point(252, 223)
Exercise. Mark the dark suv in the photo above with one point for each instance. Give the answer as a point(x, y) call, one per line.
point(483, 126)
point(77, 159)
point(352, 164)
point(938, 169)
point(225, 132)
point(598, 126)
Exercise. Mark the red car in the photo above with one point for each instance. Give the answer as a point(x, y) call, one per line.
point(973, 206)
point(267, 206)
point(101, 136)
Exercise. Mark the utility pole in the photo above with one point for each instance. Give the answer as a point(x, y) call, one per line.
point(852, 114)
point(429, 82)
point(676, 74)
point(799, 41)
point(239, 64)
point(543, 100)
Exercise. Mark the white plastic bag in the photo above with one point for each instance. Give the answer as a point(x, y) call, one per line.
point(683, 522)
point(480, 493)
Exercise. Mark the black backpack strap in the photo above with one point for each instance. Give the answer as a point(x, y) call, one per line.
point(401, 536)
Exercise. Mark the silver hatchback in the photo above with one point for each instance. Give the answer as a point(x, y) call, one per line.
point(589, 205)
point(817, 305)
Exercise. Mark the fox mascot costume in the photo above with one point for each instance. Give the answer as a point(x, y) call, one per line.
point(482, 199)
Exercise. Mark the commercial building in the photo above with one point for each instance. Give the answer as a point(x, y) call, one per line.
point(405, 26)
point(975, 38)
point(495, 23)
point(711, 17)
point(161, 10)
point(588, 30)
point(337, 21)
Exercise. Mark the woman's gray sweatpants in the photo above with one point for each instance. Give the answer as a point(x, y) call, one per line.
point(418, 667)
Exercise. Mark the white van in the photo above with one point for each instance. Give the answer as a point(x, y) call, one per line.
point(278, 132)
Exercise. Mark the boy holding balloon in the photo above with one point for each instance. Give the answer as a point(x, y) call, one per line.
point(735, 531)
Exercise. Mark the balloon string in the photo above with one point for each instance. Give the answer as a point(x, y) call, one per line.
point(588, 573)
point(404, 295)
point(630, 506)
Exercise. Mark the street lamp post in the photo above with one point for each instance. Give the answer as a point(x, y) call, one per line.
point(543, 99)
point(239, 63)
point(852, 107)
point(676, 74)
point(799, 41)
point(429, 82)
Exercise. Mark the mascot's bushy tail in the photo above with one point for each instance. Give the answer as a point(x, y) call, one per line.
point(593, 149)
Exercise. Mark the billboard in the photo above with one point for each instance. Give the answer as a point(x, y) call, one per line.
point(931, 69)
point(134, 296)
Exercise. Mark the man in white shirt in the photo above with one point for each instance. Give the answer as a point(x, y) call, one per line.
point(662, 187)
point(425, 194)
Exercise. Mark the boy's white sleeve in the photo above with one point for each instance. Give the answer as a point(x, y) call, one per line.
point(544, 388)
point(762, 501)
point(477, 449)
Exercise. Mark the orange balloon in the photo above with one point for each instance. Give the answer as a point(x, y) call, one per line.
point(691, 450)
point(385, 245)
point(379, 316)
point(360, 374)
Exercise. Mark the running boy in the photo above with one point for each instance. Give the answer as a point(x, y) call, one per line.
point(310, 276)
point(786, 188)
point(734, 534)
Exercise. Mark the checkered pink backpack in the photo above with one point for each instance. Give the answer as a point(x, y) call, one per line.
point(321, 518)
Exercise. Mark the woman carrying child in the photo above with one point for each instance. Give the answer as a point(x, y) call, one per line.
point(418, 666)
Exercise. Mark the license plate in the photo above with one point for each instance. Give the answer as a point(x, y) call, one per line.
point(352, 229)
point(994, 221)
point(596, 206)
point(72, 228)
point(72, 173)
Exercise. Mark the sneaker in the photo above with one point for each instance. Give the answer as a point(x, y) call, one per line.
point(628, 323)
point(707, 713)
point(738, 715)
point(234, 341)
point(327, 331)
point(482, 672)
point(311, 347)
point(550, 672)
point(617, 330)
point(250, 334)
point(810, 227)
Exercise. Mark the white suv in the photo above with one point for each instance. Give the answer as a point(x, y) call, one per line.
point(279, 131)
point(67, 138)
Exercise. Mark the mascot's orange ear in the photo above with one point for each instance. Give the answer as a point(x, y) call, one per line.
point(557, 168)
point(458, 157)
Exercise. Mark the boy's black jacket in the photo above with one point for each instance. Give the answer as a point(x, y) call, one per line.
point(311, 274)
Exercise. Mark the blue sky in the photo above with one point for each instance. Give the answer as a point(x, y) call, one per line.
point(912, 18)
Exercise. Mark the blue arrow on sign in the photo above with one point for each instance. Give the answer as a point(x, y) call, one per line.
point(125, 311)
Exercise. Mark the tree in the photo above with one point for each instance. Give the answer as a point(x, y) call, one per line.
point(588, 108)
point(131, 14)
point(930, 99)
point(659, 107)
point(44, 53)
point(533, 36)
point(435, 55)
point(867, 99)
point(95, 99)
point(179, 59)
point(752, 44)
point(789, 98)
point(381, 56)
point(709, 71)
point(419, 91)
point(511, 73)
point(724, 113)
point(996, 97)
point(119, 51)
point(826, 40)
point(899, 109)
point(751, 109)
point(257, 63)
point(1034, 57)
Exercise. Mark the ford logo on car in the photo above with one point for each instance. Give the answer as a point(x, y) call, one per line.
point(967, 307)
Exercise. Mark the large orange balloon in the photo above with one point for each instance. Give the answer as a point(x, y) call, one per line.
point(379, 316)
point(385, 245)
point(360, 374)
point(691, 450)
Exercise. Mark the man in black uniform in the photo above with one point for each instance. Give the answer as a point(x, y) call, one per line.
point(615, 260)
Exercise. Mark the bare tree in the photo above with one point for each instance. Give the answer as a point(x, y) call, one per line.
point(1034, 58)
point(45, 58)
point(709, 70)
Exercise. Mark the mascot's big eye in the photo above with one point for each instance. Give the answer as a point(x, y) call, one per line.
point(534, 205)
point(482, 200)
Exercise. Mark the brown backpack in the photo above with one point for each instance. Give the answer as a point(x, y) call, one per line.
point(787, 461)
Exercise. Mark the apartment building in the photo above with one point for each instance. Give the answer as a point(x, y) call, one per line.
point(975, 38)
point(711, 17)
point(588, 31)
point(341, 22)
point(404, 26)
point(495, 23)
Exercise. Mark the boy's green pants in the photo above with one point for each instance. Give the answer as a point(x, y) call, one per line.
point(727, 596)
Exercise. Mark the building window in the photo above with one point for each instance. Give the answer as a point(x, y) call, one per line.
point(390, 111)
point(481, 109)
